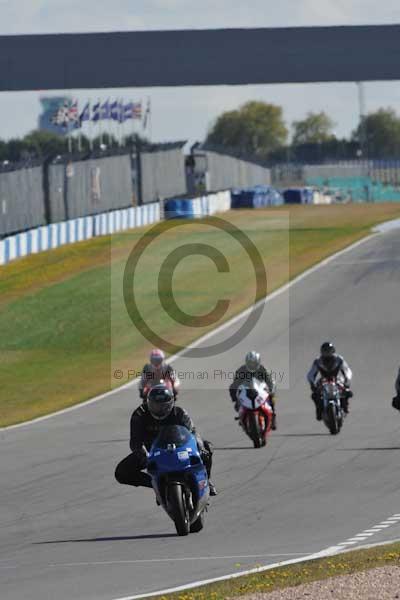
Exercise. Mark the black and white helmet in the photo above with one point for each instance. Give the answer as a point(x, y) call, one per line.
point(160, 402)
point(252, 361)
point(328, 352)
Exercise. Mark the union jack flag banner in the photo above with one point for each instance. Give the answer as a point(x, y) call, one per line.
point(73, 111)
point(61, 116)
point(136, 110)
point(68, 114)
point(73, 114)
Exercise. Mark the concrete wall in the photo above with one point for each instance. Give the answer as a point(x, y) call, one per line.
point(89, 187)
point(162, 174)
point(21, 200)
point(225, 171)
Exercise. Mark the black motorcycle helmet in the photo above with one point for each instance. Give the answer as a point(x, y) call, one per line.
point(328, 352)
point(160, 402)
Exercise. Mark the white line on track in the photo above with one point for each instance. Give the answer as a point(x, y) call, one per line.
point(368, 261)
point(155, 560)
point(387, 226)
point(190, 586)
point(205, 337)
point(367, 533)
point(373, 530)
point(350, 544)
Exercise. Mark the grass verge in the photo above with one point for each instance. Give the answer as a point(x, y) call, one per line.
point(294, 575)
point(63, 324)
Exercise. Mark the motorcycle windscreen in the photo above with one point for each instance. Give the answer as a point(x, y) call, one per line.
point(173, 434)
point(331, 391)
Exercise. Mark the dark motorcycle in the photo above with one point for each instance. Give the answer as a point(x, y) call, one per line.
point(332, 411)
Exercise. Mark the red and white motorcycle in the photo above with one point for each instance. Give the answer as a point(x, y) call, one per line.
point(255, 412)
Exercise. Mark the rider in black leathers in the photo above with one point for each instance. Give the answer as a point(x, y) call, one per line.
point(147, 420)
point(253, 369)
point(329, 364)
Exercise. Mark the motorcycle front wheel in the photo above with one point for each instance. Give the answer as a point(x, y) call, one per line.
point(332, 420)
point(198, 524)
point(178, 509)
point(253, 425)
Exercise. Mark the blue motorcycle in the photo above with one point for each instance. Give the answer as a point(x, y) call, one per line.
point(179, 478)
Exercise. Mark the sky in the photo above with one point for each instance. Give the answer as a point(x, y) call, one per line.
point(188, 113)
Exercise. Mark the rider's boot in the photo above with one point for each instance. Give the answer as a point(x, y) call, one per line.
point(273, 424)
point(213, 489)
point(318, 407)
point(345, 400)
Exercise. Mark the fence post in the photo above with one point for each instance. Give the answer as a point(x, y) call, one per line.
point(139, 172)
point(46, 190)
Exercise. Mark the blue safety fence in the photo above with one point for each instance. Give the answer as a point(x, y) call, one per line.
point(55, 235)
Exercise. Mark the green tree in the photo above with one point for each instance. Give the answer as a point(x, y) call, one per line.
point(14, 151)
point(136, 138)
point(41, 143)
point(3, 150)
point(315, 128)
point(255, 128)
point(379, 133)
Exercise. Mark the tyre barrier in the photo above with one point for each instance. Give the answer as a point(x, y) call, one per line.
point(299, 196)
point(198, 207)
point(256, 197)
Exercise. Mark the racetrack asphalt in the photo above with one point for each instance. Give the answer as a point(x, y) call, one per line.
point(70, 532)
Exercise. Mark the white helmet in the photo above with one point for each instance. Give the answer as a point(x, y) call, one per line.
point(252, 361)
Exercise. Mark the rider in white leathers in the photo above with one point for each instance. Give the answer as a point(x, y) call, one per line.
point(329, 364)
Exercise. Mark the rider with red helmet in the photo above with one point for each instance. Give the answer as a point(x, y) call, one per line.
point(157, 370)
